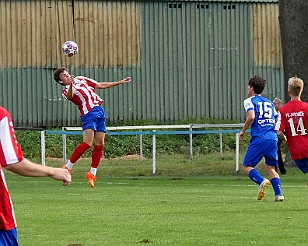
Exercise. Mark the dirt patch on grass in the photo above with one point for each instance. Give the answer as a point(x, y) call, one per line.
point(128, 157)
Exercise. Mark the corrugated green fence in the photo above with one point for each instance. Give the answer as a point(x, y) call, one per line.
point(186, 58)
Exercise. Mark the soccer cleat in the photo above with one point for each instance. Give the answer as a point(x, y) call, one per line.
point(279, 198)
point(91, 179)
point(65, 167)
point(265, 183)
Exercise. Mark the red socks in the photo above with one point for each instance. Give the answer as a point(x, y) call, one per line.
point(97, 154)
point(79, 151)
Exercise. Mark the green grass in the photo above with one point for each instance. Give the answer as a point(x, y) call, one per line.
point(198, 203)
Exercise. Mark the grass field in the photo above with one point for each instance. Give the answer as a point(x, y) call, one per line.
point(199, 203)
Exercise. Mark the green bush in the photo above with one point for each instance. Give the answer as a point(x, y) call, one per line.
point(116, 146)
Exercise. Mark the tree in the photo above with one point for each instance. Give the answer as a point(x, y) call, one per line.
point(293, 21)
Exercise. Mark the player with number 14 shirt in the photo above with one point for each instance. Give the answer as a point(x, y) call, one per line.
point(292, 124)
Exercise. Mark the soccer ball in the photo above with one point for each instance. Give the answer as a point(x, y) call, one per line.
point(69, 48)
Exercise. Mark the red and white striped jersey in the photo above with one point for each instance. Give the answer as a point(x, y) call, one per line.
point(84, 94)
point(7, 215)
point(10, 153)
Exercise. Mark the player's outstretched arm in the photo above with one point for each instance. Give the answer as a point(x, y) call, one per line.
point(30, 169)
point(105, 85)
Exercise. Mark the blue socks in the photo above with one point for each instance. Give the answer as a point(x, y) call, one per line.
point(255, 176)
point(276, 186)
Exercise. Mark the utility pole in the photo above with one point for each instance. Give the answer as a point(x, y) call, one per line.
point(293, 21)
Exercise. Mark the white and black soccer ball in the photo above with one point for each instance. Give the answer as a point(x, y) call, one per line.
point(69, 48)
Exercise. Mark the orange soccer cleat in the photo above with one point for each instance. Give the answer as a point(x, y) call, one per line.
point(261, 190)
point(91, 179)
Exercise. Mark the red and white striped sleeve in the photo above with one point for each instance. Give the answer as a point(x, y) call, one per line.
point(10, 151)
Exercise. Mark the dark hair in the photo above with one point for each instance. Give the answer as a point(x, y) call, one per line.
point(57, 73)
point(258, 84)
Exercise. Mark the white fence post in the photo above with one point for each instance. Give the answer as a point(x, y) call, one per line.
point(141, 152)
point(237, 150)
point(43, 147)
point(154, 152)
point(190, 143)
point(220, 143)
point(64, 145)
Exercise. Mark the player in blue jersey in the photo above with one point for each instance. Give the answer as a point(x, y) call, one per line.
point(261, 116)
